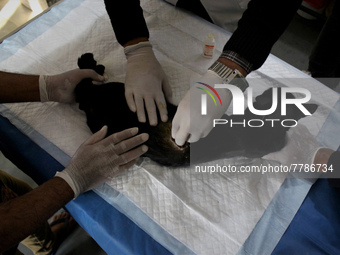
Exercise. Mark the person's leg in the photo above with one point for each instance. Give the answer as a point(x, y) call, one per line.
point(48, 237)
point(5, 195)
point(43, 238)
point(17, 187)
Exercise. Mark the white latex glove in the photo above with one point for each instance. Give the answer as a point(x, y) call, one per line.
point(145, 83)
point(98, 160)
point(60, 88)
point(189, 124)
point(301, 148)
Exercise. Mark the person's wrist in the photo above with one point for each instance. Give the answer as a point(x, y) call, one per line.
point(322, 156)
point(136, 41)
point(232, 65)
point(43, 88)
point(138, 49)
point(67, 178)
point(229, 75)
point(62, 184)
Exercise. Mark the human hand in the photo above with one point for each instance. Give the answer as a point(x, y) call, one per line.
point(60, 88)
point(145, 83)
point(98, 160)
point(300, 150)
point(189, 124)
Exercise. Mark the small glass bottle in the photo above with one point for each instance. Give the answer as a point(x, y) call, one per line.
point(209, 46)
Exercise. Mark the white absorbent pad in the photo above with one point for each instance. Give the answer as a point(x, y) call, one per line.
point(209, 213)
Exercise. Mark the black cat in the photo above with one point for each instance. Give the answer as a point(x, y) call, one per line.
point(106, 105)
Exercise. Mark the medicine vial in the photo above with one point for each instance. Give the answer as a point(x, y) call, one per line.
point(209, 46)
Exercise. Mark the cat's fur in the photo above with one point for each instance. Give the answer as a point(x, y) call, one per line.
point(106, 105)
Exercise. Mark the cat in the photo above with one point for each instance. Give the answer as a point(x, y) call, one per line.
point(106, 105)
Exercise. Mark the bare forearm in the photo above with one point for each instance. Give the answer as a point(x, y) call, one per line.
point(29, 211)
point(18, 87)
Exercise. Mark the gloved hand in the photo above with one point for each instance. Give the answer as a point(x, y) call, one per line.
point(60, 88)
point(301, 148)
point(145, 82)
point(189, 124)
point(97, 159)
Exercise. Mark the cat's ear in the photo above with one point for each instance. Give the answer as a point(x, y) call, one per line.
point(100, 69)
point(86, 61)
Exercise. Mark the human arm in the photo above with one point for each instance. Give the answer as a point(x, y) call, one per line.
point(247, 49)
point(302, 154)
point(146, 85)
point(99, 159)
point(331, 158)
point(25, 213)
point(190, 123)
point(306, 159)
point(127, 21)
point(323, 157)
point(260, 26)
point(16, 87)
point(333, 164)
point(96, 161)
